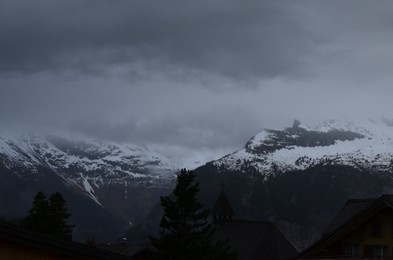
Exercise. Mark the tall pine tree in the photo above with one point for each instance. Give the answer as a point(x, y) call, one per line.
point(185, 232)
point(38, 217)
point(58, 215)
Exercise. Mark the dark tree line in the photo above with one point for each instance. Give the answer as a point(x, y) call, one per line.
point(49, 216)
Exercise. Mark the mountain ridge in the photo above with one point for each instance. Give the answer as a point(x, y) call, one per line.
point(268, 177)
point(364, 145)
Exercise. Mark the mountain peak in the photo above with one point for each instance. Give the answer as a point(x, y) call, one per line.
point(296, 124)
point(359, 144)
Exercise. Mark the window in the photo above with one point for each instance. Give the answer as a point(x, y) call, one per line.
point(351, 250)
point(380, 251)
point(376, 230)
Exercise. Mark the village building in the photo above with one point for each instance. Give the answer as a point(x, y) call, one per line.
point(249, 238)
point(19, 243)
point(363, 228)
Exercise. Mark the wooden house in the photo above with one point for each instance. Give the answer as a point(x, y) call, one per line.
point(363, 228)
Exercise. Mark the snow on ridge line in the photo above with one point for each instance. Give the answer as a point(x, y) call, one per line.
point(86, 164)
point(32, 151)
point(375, 149)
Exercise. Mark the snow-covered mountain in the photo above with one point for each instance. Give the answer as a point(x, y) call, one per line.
point(85, 162)
point(278, 171)
point(300, 176)
point(365, 145)
point(124, 180)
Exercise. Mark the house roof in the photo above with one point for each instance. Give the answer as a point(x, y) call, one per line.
point(127, 249)
point(255, 239)
point(73, 250)
point(353, 212)
point(350, 209)
point(222, 207)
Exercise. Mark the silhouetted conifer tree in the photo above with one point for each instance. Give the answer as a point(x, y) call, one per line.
point(38, 217)
point(58, 217)
point(185, 232)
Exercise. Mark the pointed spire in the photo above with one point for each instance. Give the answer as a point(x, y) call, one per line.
point(222, 209)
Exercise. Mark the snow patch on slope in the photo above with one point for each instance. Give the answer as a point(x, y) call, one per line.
point(87, 187)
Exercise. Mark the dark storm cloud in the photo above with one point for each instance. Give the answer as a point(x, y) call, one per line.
point(153, 71)
point(236, 39)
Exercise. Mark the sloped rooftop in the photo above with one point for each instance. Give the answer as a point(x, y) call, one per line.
point(350, 209)
point(255, 239)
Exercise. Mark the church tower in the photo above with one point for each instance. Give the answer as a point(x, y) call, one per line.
point(222, 210)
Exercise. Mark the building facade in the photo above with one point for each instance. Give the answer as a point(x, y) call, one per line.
point(362, 229)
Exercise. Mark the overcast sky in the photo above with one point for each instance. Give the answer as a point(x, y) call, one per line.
point(193, 79)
